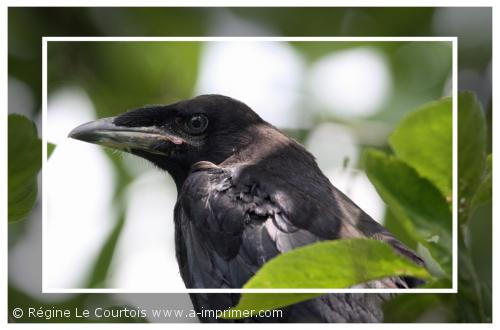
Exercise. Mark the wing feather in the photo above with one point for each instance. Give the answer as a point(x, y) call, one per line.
point(228, 227)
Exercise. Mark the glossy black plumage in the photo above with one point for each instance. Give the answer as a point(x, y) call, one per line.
point(246, 193)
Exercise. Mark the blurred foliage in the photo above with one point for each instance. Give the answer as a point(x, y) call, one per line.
point(24, 163)
point(410, 63)
point(25, 160)
point(475, 213)
point(118, 77)
point(472, 143)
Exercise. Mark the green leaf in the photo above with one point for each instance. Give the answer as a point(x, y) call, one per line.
point(21, 200)
point(408, 195)
point(356, 261)
point(331, 264)
point(25, 160)
point(423, 140)
point(403, 229)
point(432, 265)
point(50, 149)
point(471, 144)
point(483, 193)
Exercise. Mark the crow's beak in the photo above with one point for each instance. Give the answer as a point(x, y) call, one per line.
point(104, 132)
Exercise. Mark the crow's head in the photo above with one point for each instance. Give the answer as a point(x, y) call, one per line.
point(174, 137)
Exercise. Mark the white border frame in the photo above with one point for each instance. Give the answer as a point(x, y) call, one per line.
point(453, 40)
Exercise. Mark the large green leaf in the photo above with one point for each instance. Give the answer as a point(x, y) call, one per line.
point(331, 264)
point(25, 160)
point(423, 140)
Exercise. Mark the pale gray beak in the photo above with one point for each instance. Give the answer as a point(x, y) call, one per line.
point(104, 132)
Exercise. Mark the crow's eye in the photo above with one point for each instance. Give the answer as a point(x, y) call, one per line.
point(197, 124)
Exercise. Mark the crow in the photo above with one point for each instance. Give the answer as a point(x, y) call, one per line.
point(246, 193)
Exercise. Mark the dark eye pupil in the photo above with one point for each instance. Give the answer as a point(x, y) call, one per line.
point(196, 122)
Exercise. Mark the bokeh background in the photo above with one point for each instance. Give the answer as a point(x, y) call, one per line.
point(110, 215)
